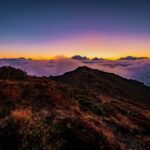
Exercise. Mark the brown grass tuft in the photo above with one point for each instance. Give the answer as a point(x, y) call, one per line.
point(21, 114)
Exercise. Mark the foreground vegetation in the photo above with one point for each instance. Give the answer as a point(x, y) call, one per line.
point(43, 114)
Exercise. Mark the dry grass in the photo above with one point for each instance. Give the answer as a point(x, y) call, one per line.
point(21, 114)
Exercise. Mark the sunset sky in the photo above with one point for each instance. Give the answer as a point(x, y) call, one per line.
point(42, 29)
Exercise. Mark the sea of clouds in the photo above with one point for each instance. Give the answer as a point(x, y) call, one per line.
point(129, 67)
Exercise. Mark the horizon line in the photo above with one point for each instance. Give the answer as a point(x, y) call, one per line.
point(63, 56)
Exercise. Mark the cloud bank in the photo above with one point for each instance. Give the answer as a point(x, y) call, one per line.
point(137, 69)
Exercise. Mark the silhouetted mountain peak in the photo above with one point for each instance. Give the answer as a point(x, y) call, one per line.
point(83, 69)
point(105, 83)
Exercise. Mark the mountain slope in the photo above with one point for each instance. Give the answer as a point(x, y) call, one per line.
point(40, 113)
point(104, 83)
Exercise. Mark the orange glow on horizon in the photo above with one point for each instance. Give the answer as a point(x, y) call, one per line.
point(88, 45)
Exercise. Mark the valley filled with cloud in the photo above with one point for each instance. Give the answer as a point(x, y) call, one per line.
point(128, 67)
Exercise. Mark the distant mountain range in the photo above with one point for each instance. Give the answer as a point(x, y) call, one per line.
point(85, 109)
point(132, 58)
point(83, 58)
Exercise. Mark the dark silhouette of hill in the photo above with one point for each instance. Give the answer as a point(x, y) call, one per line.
point(104, 83)
point(7, 72)
point(85, 113)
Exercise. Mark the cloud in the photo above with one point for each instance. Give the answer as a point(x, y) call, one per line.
point(134, 69)
point(65, 65)
point(58, 66)
point(32, 67)
point(137, 69)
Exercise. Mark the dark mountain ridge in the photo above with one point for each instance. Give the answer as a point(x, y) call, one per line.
point(104, 83)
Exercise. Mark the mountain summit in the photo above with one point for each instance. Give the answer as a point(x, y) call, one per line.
point(85, 109)
point(104, 83)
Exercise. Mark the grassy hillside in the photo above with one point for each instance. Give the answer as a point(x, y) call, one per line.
point(43, 114)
